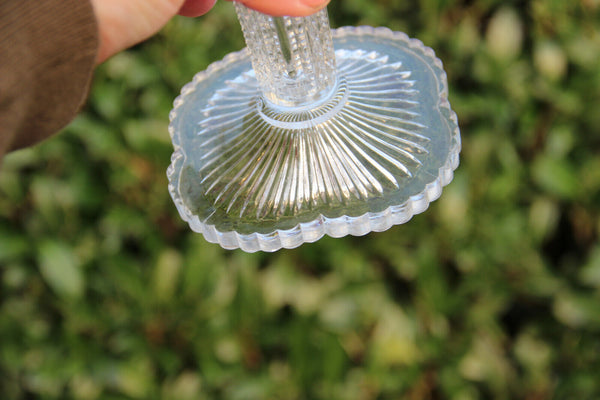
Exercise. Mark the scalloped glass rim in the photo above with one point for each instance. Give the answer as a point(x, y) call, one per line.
point(335, 227)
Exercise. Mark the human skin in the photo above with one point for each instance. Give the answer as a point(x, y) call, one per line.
point(123, 23)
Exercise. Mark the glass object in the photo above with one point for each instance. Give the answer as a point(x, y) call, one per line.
point(310, 131)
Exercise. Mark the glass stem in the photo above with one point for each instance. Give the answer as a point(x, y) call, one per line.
point(292, 57)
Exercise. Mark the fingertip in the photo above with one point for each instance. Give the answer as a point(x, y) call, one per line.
point(195, 8)
point(292, 8)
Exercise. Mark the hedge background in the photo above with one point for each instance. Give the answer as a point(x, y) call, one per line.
point(492, 293)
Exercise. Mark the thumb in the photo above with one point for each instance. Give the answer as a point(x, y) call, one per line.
point(293, 8)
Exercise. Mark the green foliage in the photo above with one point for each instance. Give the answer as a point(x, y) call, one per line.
point(494, 292)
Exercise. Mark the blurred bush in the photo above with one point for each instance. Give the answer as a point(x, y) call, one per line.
point(494, 292)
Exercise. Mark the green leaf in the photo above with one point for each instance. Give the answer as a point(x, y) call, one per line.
point(60, 269)
point(590, 273)
point(166, 274)
point(555, 176)
point(12, 246)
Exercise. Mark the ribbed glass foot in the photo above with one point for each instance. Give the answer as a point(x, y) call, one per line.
point(251, 174)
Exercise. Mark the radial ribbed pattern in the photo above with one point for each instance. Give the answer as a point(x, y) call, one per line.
point(264, 162)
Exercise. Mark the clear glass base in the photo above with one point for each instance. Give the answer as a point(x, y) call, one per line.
point(249, 174)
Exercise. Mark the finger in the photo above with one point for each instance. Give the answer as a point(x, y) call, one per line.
point(125, 23)
point(195, 8)
point(293, 8)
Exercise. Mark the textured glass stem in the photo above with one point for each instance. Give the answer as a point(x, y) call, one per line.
point(292, 57)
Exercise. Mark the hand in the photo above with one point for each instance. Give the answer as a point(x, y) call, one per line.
point(123, 23)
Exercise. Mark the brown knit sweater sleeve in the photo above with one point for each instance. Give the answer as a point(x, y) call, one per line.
point(47, 55)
